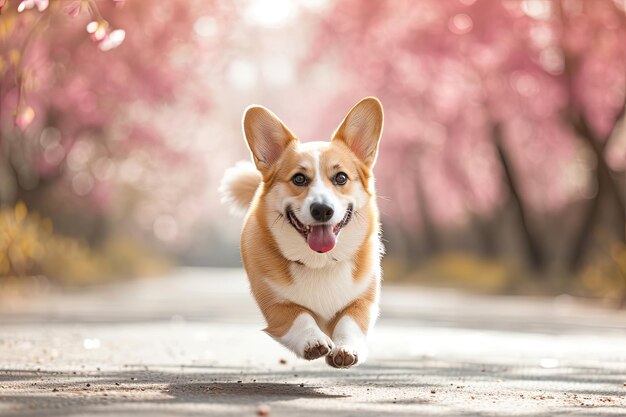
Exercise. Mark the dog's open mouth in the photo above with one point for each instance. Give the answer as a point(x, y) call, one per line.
point(320, 237)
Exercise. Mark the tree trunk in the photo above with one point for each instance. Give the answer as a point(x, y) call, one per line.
point(486, 236)
point(433, 245)
point(533, 249)
point(608, 191)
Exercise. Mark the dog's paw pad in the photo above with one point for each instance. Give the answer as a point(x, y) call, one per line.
point(342, 357)
point(316, 350)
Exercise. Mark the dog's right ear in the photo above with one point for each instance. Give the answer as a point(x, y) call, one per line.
point(266, 135)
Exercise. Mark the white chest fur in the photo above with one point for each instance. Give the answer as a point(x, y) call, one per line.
point(326, 290)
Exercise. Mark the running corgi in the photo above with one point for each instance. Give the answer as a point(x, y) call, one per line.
point(310, 243)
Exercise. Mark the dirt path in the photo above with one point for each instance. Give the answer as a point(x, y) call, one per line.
point(191, 345)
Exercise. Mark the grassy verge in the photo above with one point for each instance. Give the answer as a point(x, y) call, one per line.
point(29, 248)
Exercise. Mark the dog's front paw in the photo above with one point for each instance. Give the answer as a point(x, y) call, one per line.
point(342, 357)
point(317, 348)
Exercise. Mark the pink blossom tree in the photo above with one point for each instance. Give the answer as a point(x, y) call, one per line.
point(489, 102)
point(78, 81)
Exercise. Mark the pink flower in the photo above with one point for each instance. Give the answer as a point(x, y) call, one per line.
point(106, 39)
point(112, 40)
point(73, 9)
point(24, 117)
point(29, 4)
point(97, 29)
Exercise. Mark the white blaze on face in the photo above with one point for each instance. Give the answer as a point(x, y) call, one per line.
point(321, 237)
point(321, 190)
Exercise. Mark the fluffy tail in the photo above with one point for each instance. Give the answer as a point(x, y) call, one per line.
point(239, 185)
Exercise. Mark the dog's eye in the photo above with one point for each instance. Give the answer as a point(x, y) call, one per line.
point(299, 180)
point(341, 178)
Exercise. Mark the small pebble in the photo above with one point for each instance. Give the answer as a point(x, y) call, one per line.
point(282, 361)
point(302, 385)
point(88, 384)
point(55, 390)
point(263, 410)
point(432, 391)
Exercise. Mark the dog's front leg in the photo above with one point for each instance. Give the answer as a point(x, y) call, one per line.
point(296, 329)
point(349, 330)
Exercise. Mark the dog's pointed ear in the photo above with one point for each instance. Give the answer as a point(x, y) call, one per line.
point(361, 129)
point(266, 135)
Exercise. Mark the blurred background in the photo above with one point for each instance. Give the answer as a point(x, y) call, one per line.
point(501, 169)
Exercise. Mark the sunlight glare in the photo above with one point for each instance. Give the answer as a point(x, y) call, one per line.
point(270, 13)
point(242, 74)
point(278, 70)
point(205, 27)
point(537, 9)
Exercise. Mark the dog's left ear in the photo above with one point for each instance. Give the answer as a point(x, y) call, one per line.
point(361, 129)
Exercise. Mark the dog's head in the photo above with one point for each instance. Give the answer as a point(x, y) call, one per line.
point(314, 192)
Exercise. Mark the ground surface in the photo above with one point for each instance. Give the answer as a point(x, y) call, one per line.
point(191, 345)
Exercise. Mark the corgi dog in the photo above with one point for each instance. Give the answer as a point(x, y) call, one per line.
point(310, 243)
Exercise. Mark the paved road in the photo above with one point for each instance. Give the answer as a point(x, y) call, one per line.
point(190, 345)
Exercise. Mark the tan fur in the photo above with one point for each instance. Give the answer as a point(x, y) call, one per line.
point(278, 157)
point(359, 309)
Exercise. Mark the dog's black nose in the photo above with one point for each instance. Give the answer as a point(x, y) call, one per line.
point(321, 212)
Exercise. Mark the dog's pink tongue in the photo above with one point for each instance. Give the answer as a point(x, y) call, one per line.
point(321, 238)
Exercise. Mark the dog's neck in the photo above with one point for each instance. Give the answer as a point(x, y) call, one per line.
point(299, 267)
point(301, 263)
